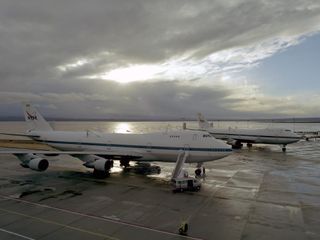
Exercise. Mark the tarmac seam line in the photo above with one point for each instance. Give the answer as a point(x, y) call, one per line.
point(96, 217)
point(58, 224)
point(16, 234)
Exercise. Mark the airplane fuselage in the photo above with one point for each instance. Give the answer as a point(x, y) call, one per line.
point(160, 146)
point(265, 136)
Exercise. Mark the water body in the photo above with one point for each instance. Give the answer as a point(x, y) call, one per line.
point(136, 127)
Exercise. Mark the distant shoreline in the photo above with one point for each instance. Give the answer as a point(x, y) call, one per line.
point(284, 120)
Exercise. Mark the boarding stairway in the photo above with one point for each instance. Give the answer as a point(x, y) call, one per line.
point(181, 159)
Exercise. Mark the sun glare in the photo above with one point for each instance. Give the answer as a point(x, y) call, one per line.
point(123, 128)
point(132, 73)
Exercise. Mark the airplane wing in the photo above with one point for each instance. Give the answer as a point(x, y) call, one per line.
point(104, 154)
point(99, 160)
point(19, 134)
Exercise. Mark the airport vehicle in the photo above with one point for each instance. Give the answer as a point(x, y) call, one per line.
point(186, 184)
point(236, 137)
point(99, 150)
point(180, 179)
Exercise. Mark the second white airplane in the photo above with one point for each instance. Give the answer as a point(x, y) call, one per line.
point(98, 150)
point(236, 137)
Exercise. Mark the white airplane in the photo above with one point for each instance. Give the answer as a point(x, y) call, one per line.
point(236, 137)
point(98, 150)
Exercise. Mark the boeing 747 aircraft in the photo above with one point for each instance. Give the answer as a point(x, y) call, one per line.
point(98, 150)
point(236, 137)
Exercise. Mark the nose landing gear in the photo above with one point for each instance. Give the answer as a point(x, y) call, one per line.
point(284, 149)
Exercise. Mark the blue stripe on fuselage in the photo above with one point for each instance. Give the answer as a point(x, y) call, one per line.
point(140, 146)
point(251, 135)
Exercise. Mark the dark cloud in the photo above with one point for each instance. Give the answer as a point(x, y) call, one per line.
point(98, 98)
point(37, 37)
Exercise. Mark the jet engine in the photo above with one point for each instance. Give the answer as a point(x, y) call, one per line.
point(102, 164)
point(234, 143)
point(39, 164)
point(32, 161)
point(99, 164)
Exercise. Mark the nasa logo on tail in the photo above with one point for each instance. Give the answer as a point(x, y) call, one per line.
point(32, 116)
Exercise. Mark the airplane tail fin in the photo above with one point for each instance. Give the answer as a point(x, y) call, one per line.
point(34, 119)
point(203, 123)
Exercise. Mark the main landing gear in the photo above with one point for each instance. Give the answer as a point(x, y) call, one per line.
point(124, 163)
point(200, 171)
point(284, 149)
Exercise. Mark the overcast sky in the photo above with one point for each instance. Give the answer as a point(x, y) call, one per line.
point(160, 58)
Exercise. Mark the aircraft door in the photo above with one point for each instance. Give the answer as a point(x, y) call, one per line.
point(186, 147)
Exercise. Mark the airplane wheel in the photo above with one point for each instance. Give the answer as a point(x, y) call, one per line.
point(198, 172)
point(284, 149)
point(124, 163)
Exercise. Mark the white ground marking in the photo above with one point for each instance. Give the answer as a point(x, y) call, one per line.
point(16, 234)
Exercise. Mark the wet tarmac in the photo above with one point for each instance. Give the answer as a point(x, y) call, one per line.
point(258, 193)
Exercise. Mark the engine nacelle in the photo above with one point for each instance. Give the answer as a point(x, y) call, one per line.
point(102, 165)
point(235, 144)
point(38, 164)
point(96, 162)
point(32, 161)
point(232, 142)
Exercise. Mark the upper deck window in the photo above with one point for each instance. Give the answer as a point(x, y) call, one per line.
point(174, 136)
